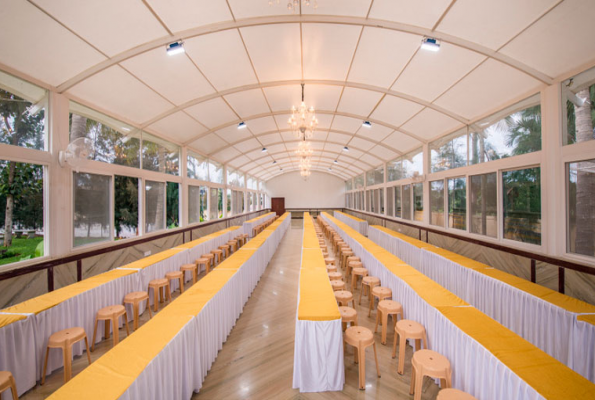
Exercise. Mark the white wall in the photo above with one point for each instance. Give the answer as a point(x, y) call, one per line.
point(319, 191)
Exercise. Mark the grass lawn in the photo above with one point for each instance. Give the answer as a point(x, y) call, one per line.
point(20, 249)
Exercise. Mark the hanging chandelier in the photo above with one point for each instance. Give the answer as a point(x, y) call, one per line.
point(303, 120)
point(305, 173)
point(304, 149)
point(305, 163)
point(294, 5)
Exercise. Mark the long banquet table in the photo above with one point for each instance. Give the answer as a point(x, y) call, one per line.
point(318, 349)
point(542, 316)
point(488, 360)
point(254, 222)
point(358, 224)
point(169, 356)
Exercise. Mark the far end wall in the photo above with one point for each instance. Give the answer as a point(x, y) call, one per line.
point(319, 191)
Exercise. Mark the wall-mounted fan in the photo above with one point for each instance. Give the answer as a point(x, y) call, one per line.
point(78, 149)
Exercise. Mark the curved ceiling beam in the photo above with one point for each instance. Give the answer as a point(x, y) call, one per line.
point(284, 172)
point(334, 153)
point(327, 19)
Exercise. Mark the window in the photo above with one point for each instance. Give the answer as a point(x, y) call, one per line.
point(375, 176)
point(160, 155)
point(114, 142)
point(407, 166)
point(92, 219)
point(213, 203)
point(125, 207)
point(173, 205)
point(215, 172)
point(579, 97)
point(22, 113)
point(437, 203)
point(483, 203)
point(359, 181)
point(398, 201)
point(457, 203)
point(197, 167)
point(390, 202)
point(204, 215)
point(449, 152)
point(406, 202)
point(348, 185)
point(513, 131)
point(521, 191)
point(194, 209)
point(394, 170)
point(154, 206)
point(381, 197)
point(21, 211)
point(418, 201)
point(229, 213)
point(581, 207)
point(219, 203)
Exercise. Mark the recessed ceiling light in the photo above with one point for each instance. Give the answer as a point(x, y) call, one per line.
point(330, 169)
point(336, 162)
point(430, 44)
point(175, 48)
point(280, 169)
point(345, 148)
point(242, 125)
point(274, 161)
point(264, 149)
point(367, 124)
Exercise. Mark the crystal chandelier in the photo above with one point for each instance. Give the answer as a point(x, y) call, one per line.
point(304, 149)
point(303, 120)
point(294, 5)
point(305, 163)
point(305, 173)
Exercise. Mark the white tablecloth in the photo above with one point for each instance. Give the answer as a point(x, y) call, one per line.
point(400, 248)
point(250, 225)
point(583, 349)
point(360, 226)
point(17, 353)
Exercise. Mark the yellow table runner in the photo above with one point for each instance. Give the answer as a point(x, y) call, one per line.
point(349, 216)
point(155, 258)
point(590, 319)
point(259, 217)
point(545, 374)
point(49, 300)
point(9, 319)
point(206, 238)
point(415, 242)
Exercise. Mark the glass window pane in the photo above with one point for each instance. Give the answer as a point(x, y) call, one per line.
point(398, 201)
point(406, 202)
point(160, 155)
point(394, 170)
point(390, 202)
point(194, 209)
point(173, 205)
point(21, 211)
point(92, 222)
point(449, 152)
point(229, 213)
point(204, 215)
point(418, 199)
point(197, 167)
point(154, 206)
point(348, 184)
point(220, 203)
point(457, 203)
point(483, 202)
point(579, 98)
point(359, 181)
point(22, 113)
point(521, 191)
point(581, 208)
point(381, 193)
point(213, 201)
point(215, 172)
point(125, 207)
point(412, 164)
point(437, 203)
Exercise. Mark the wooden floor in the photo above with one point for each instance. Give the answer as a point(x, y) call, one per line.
point(256, 362)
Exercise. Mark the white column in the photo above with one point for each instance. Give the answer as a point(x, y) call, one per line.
point(183, 201)
point(426, 185)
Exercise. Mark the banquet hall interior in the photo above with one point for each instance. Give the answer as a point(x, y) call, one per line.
point(297, 199)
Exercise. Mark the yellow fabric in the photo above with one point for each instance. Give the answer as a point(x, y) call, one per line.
point(548, 376)
point(349, 216)
point(49, 300)
point(155, 258)
point(259, 217)
point(9, 319)
point(203, 239)
point(313, 259)
point(237, 259)
point(408, 239)
point(590, 319)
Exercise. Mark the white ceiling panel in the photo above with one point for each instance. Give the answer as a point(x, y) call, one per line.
point(261, 125)
point(226, 154)
point(336, 148)
point(212, 113)
point(353, 153)
point(423, 13)
point(373, 161)
point(487, 88)
point(338, 137)
point(381, 55)
point(247, 145)
point(317, 145)
point(186, 14)
point(248, 103)
point(282, 120)
point(270, 138)
point(178, 126)
point(560, 41)
point(429, 74)
point(358, 101)
point(383, 153)
point(282, 98)
point(361, 144)
point(328, 50)
point(222, 58)
point(491, 23)
point(324, 121)
point(402, 142)
point(291, 146)
point(276, 148)
point(257, 155)
point(42, 48)
point(175, 78)
point(208, 144)
point(274, 60)
point(346, 124)
point(354, 8)
point(116, 91)
point(288, 136)
point(429, 123)
point(376, 132)
point(232, 134)
point(395, 111)
point(257, 8)
point(238, 161)
point(321, 97)
point(112, 26)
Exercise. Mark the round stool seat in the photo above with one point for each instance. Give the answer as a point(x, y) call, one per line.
point(111, 311)
point(432, 364)
point(225, 248)
point(380, 292)
point(348, 314)
point(390, 306)
point(359, 334)
point(160, 285)
point(330, 260)
point(174, 275)
point(343, 297)
point(135, 298)
point(360, 338)
point(355, 264)
point(338, 285)
point(353, 258)
point(371, 280)
point(407, 329)
point(454, 394)
point(386, 308)
point(66, 337)
point(205, 262)
point(355, 272)
point(410, 328)
point(335, 276)
point(331, 268)
point(64, 340)
point(7, 381)
point(107, 314)
point(210, 257)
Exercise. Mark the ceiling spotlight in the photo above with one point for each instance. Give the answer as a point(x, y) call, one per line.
point(242, 125)
point(345, 148)
point(430, 44)
point(175, 48)
point(274, 161)
point(330, 169)
point(336, 162)
point(280, 169)
point(367, 124)
point(264, 149)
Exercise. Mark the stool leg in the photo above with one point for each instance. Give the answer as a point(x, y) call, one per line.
point(155, 299)
point(362, 367)
point(126, 323)
point(45, 365)
point(395, 345)
point(94, 335)
point(425, 340)
point(360, 294)
point(67, 355)
point(402, 344)
point(106, 326)
point(371, 304)
point(116, 333)
point(181, 285)
point(417, 344)
point(88, 352)
point(168, 292)
point(149, 308)
point(377, 320)
point(135, 315)
point(412, 384)
point(419, 379)
point(376, 359)
point(161, 295)
point(13, 388)
point(384, 324)
point(194, 275)
point(353, 282)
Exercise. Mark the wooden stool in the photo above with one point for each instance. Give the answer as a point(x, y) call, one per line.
point(360, 338)
point(218, 256)
point(335, 276)
point(64, 340)
point(330, 260)
point(386, 308)
point(179, 275)
point(159, 285)
point(344, 256)
point(331, 268)
point(113, 314)
point(205, 262)
point(234, 245)
point(192, 268)
point(407, 329)
point(355, 272)
point(338, 285)
point(211, 258)
point(353, 258)
point(432, 364)
point(453, 394)
point(350, 265)
point(325, 254)
point(244, 239)
point(7, 381)
point(225, 249)
point(343, 297)
point(135, 298)
point(348, 314)
point(368, 282)
point(323, 247)
point(382, 293)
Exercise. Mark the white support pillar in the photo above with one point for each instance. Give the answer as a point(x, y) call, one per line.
point(184, 198)
point(426, 186)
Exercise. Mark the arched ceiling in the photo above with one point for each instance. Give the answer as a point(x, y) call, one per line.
point(245, 61)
